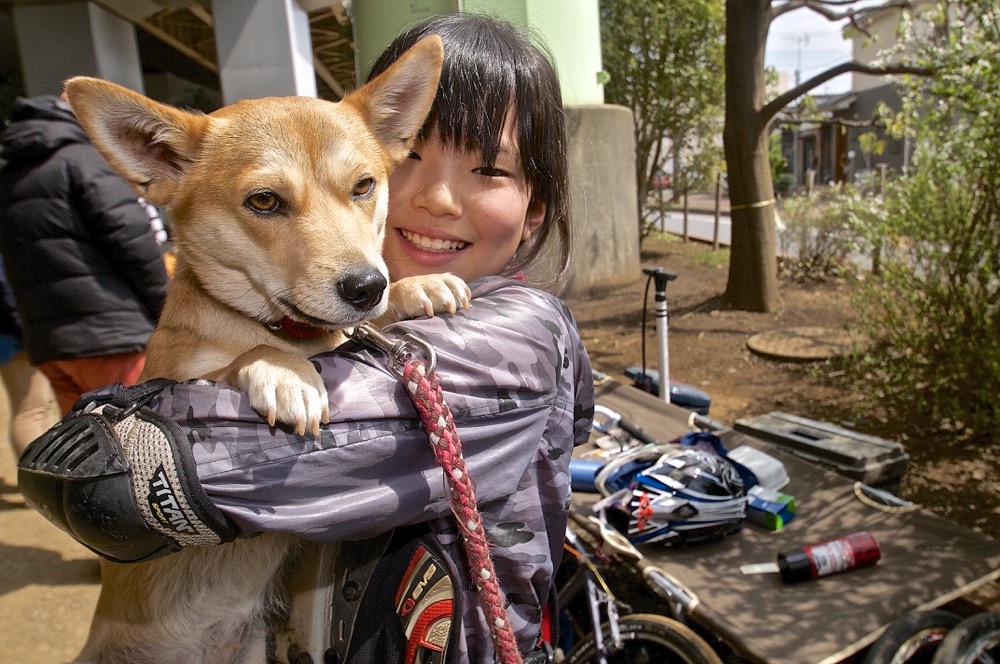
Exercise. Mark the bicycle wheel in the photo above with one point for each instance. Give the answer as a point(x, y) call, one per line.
point(975, 640)
point(913, 638)
point(648, 639)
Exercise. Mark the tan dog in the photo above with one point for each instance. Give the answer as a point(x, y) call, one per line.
point(279, 215)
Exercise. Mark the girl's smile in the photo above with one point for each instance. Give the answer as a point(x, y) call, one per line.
point(432, 244)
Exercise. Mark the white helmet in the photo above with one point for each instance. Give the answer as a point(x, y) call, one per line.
point(672, 495)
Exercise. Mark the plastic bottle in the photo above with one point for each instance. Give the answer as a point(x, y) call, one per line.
point(832, 557)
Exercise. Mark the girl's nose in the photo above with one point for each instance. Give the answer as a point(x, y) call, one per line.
point(438, 199)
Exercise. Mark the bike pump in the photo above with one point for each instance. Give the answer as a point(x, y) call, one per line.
point(660, 279)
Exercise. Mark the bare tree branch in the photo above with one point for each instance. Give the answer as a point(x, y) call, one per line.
point(836, 121)
point(823, 8)
point(784, 99)
point(789, 6)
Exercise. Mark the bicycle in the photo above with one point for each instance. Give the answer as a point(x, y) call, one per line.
point(594, 631)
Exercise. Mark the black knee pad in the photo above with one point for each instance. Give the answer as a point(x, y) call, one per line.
point(121, 480)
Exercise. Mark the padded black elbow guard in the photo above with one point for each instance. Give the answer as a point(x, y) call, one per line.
point(121, 480)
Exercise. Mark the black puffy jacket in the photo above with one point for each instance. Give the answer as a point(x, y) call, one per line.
point(84, 266)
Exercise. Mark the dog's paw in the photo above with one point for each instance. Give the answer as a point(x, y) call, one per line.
point(427, 295)
point(282, 387)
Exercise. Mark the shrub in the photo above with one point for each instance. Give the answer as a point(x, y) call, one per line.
point(783, 183)
point(934, 308)
point(816, 239)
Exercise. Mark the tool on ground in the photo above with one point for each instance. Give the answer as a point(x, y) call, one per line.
point(818, 560)
point(660, 278)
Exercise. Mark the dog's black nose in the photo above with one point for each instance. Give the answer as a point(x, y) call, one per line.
point(363, 288)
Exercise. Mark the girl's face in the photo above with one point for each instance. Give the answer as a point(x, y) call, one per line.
point(448, 212)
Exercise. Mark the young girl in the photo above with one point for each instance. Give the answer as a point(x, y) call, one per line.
point(491, 162)
point(482, 194)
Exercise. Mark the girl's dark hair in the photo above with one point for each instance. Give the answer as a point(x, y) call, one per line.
point(490, 66)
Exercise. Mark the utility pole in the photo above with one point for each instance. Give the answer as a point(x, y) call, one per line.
point(797, 165)
point(800, 42)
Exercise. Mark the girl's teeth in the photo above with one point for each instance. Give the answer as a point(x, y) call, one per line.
point(433, 245)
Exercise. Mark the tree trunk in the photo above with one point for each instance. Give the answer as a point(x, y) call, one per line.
point(753, 274)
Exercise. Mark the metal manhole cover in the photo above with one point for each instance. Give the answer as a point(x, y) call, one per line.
point(803, 343)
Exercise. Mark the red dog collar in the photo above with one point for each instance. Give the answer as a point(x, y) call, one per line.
point(299, 330)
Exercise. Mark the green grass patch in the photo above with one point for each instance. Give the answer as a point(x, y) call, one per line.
point(661, 236)
point(712, 257)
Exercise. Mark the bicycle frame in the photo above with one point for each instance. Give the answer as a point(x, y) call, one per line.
point(586, 580)
point(628, 637)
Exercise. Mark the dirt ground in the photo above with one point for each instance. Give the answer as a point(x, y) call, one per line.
point(48, 584)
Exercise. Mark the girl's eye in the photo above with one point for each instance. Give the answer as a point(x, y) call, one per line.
point(490, 172)
point(413, 155)
point(264, 202)
point(364, 186)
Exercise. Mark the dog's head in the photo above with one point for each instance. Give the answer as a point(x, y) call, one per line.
point(278, 204)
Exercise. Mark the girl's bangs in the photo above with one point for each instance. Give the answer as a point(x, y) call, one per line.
point(471, 105)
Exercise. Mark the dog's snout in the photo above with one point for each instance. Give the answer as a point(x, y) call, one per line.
point(363, 288)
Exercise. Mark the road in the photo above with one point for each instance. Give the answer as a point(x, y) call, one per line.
point(701, 225)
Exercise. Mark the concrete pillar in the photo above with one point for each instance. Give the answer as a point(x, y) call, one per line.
point(377, 22)
point(604, 203)
point(56, 41)
point(572, 31)
point(263, 49)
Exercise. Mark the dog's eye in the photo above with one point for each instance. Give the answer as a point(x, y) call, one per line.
point(364, 186)
point(265, 202)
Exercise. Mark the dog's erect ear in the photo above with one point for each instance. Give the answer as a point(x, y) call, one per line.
point(151, 144)
point(396, 102)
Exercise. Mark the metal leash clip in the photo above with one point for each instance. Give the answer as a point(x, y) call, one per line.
point(400, 351)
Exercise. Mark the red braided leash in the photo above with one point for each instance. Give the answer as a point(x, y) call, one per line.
point(425, 390)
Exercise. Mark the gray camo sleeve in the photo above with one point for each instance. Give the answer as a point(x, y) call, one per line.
point(514, 374)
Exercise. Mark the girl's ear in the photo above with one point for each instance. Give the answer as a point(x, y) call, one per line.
point(533, 219)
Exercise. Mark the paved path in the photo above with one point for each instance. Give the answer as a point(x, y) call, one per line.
point(700, 226)
point(701, 219)
point(48, 582)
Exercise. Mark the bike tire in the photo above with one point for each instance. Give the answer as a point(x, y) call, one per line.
point(913, 638)
point(974, 640)
point(648, 639)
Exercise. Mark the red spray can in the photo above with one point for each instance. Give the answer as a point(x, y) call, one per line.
point(832, 557)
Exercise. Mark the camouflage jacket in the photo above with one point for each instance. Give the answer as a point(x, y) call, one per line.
point(518, 381)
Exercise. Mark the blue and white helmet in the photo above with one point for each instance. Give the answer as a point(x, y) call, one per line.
point(672, 495)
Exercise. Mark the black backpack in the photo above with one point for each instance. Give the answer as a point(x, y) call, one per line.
point(391, 599)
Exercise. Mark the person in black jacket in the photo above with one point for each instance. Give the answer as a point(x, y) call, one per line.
point(83, 264)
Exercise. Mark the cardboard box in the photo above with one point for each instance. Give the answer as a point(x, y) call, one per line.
point(769, 509)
